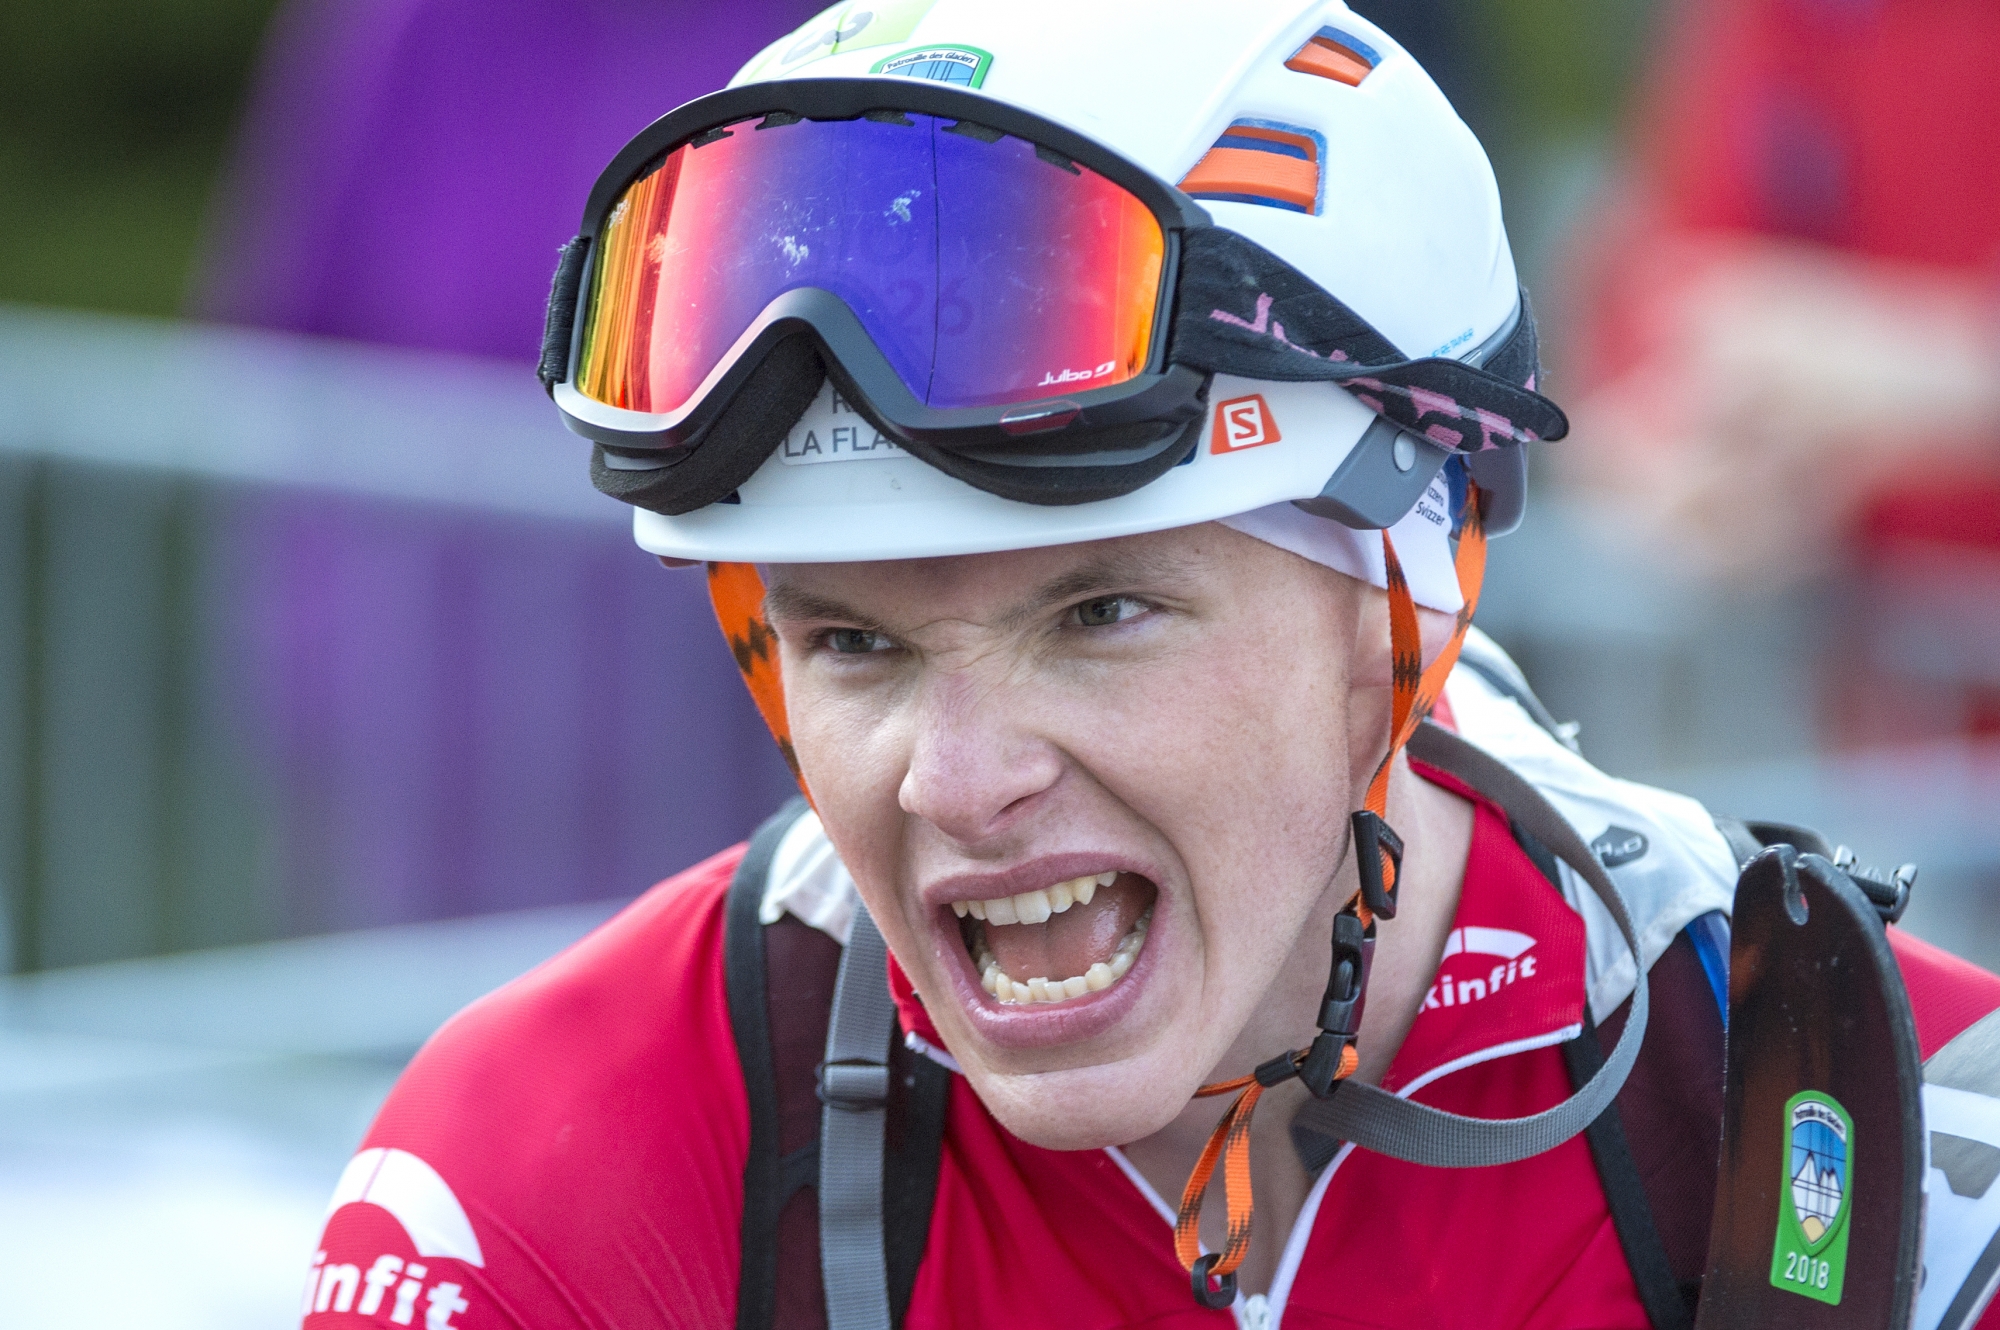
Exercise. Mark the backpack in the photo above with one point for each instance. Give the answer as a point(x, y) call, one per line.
point(782, 1040)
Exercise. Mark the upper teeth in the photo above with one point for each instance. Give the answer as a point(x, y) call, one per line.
point(1035, 907)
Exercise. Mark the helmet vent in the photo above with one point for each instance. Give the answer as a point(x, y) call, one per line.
point(1332, 54)
point(1257, 161)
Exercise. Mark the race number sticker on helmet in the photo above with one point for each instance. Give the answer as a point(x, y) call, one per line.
point(964, 66)
point(1809, 1256)
point(1243, 422)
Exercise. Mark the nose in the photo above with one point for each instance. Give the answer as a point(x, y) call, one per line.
point(975, 769)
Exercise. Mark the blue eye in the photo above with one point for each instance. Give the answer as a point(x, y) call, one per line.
point(857, 641)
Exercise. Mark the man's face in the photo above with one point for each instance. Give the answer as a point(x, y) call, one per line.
point(1130, 757)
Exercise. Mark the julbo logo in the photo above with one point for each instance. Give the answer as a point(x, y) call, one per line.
point(1051, 378)
point(1243, 422)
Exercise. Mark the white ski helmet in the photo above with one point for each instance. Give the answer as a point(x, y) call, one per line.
point(1301, 126)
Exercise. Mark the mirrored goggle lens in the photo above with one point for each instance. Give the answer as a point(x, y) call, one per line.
point(987, 272)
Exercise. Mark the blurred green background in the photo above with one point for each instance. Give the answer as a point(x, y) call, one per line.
point(114, 118)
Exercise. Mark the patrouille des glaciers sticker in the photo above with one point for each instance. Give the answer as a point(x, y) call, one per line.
point(963, 65)
point(1809, 1256)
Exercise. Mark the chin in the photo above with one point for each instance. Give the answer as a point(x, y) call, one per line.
point(1085, 1108)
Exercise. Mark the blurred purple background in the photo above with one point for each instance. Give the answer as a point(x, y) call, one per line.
point(407, 168)
point(467, 712)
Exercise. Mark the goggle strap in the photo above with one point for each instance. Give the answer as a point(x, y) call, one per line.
point(1240, 309)
point(559, 327)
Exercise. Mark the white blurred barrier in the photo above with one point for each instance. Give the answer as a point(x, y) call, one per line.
point(300, 635)
point(239, 404)
point(190, 1113)
point(378, 993)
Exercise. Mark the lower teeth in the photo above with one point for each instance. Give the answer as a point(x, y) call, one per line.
point(1013, 993)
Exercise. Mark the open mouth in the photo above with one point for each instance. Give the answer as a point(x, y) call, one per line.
point(1058, 943)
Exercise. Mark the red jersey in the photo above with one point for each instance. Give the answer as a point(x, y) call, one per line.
point(568, 1153)
point(1864, 126)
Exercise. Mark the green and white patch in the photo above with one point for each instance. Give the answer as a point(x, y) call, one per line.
point(961, 66)
point(1809, 1256)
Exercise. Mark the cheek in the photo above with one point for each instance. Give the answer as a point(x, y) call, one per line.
point(1245, 766)
point(1241, 761)
point(1373, 664)
point(847, 748)
point(1215, 748)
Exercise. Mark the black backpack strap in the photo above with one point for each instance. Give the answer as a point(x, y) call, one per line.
point(919, 1094)
point(768, 1183)
point(1625, 1193)
point(1747, 840)
point(1674, 1099)
point(781, 978)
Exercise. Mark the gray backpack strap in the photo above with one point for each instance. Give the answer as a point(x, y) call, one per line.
point(1743, 843)
point(1481, 655)
point(854, 1085)
point(1747, 840)
point(1376, 1120)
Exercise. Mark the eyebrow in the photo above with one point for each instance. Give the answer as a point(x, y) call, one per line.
point(787, 602)
point(1108, 571)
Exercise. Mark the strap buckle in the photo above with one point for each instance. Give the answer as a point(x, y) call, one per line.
point(1890, 896)
point(1224, 1291)
point(1372, 837)
point(1347, 980)
point(1340, 1010)
point(1322, 1063)
point(856, 1086)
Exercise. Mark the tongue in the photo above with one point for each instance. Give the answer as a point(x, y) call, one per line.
point(1071, 942)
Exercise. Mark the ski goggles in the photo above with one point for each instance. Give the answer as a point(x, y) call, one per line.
point(1008, 300)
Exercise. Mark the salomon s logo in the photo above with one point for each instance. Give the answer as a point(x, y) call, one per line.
point(1243, 422)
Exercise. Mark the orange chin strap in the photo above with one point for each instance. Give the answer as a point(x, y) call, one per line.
point(1414, 691)
point(737, 592)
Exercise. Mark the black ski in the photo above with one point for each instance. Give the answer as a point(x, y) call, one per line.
point(1819, 1206)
